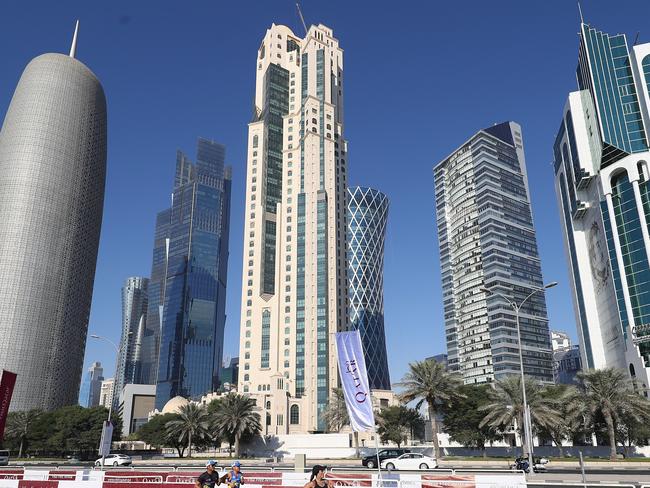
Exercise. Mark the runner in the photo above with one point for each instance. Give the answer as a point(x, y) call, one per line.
point(234, 477)
point(317, 479)
point(209, 478)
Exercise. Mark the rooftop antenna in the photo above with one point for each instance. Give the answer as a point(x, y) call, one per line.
point(73, 47)
point(302, 19)
point(582, 20)
point(636, 39)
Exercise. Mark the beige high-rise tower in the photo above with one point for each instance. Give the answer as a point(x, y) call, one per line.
point(294, 289)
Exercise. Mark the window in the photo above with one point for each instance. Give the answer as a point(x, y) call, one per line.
point(286, 364)
point(294, 416)
point(255, 143)
point(247, 377)
point(268, 405)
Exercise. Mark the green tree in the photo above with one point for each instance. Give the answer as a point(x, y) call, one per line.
point(192, 425)
point(234, 417)
point(395, 423)
point(630, 432)
point(506, 405)
point(336, 413)
point(566, 401)
point(463, 417)
point(428, 381)
point(154, 432)
point(20, 425)
point(609, 392)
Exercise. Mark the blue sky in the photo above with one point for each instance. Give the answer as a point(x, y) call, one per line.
point(421, 78)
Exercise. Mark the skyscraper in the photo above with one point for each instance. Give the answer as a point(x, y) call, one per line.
point(367, 217)
point(487, 240)
point(52, 174)
point(134, 316)
point(294, 289)
point(601, 179)
point(188, 299)
point(91, 386)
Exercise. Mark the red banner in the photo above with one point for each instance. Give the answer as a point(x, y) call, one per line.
point(6, 390)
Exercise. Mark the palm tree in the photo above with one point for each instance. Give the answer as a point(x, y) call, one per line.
point(567, 402)
point(506, 405)
point(234, 416)
point(429, 381)
point(19, 425)
point(336, 413)
point(609, 392)
point(192, 425)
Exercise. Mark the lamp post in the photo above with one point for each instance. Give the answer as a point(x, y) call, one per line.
point(526, 414)
point(110, 406)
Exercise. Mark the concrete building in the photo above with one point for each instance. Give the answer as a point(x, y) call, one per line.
point(91, 386)
point(134, 316)
point(294, 293)
point(601, 156)
point(187, 303)
point(560, 341)
point(134, 404)
point(52, 175)
point(488, 241)
point(367, 219)
point(106, 392)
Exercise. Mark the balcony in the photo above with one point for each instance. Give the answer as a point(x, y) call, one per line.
point(580, 210)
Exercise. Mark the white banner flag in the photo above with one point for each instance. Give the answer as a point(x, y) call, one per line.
point(354, 377)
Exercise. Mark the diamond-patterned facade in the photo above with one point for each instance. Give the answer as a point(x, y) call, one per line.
point(367, 217)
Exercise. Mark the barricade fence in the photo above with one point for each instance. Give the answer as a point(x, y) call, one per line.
point(182, 479)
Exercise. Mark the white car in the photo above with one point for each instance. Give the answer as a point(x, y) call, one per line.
point(115, 460)
point(410, 460)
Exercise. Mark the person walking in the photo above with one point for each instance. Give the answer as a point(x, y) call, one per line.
point(209, 478)
point(317, 479)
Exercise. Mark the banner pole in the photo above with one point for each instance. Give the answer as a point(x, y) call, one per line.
point(381, 483)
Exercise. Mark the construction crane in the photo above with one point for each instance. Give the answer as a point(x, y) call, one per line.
point(302, 19)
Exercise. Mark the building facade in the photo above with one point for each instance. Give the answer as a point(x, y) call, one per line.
point(294, 293)
point(367, 218)
point(91, 386)
point(487, 241)
point(188, 302)
point(106, 392)
point(601, 156)
point(135, 402)
point(52, 175)
point(134, 316)
point(560, 340)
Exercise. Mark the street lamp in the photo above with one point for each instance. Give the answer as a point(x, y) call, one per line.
point(517, 308)
point(110, 406)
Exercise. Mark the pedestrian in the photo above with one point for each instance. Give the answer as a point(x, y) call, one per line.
point(209, 478)
point(317, 479)
point(234, 477)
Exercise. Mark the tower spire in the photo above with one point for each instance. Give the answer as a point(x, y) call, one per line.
point(73, 47)
point(582, 20)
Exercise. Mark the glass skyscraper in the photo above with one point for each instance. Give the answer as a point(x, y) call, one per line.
point(487, 239)
point(52, 176)
point(367, 217)
point(188, 285)
point(134, 316)
point(601, 161)
point(91, 386)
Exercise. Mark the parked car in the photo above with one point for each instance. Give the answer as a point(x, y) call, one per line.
point(371, 461)
point(4, 458)
point(410, 460)
point(115, 460)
